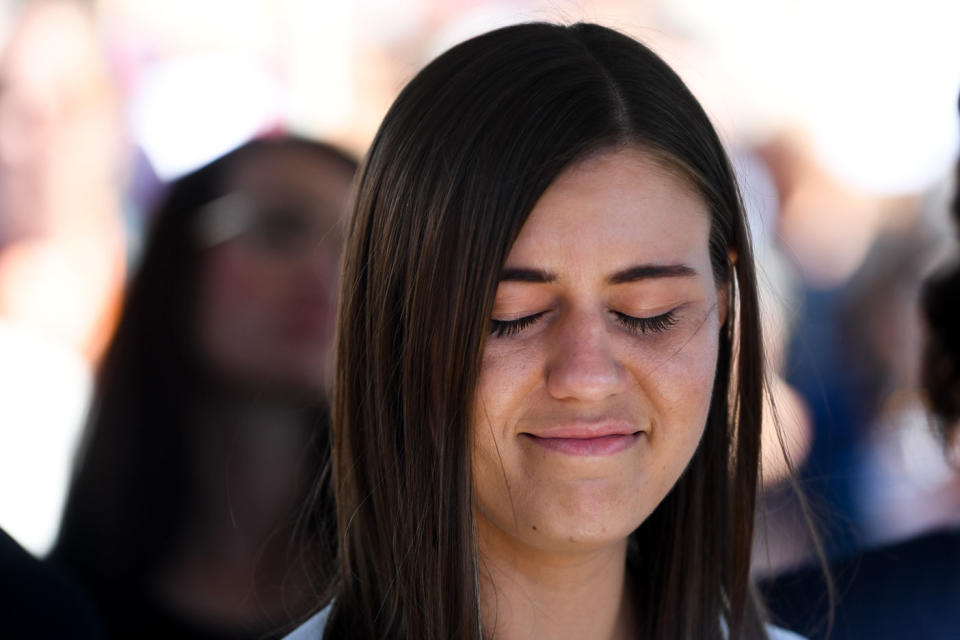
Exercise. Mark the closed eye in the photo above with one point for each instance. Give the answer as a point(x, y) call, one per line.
point(502, 328)
point(641, 326)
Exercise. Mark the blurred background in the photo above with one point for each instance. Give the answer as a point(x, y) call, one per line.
point(841, 118)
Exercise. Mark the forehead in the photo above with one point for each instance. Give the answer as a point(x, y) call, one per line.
point(290, 173)
point(617, 205)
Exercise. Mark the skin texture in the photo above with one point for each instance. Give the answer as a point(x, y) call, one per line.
point(266, 311)
point(553, 526)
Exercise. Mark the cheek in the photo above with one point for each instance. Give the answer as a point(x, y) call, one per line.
point(509, 375)
point(679, 385)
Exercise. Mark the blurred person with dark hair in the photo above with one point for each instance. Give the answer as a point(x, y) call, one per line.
point(209, 418)
point(907, 589)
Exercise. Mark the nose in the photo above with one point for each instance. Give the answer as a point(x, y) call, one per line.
point(583, 364)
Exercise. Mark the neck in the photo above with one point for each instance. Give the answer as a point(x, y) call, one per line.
point(531, 593)
point(250, 454)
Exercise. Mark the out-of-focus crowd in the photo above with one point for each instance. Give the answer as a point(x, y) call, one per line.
point(165, 329)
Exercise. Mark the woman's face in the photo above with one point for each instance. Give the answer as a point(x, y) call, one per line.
point(597, 375)
point(268, 292)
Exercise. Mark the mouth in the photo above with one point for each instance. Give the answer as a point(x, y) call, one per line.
point(587, 440)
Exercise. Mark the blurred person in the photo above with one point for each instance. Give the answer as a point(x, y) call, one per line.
point(61, 238)
point(62, 250)
point(832, 236)
point(209, 415)
point(855, 358)
point(549, 383)
point(910, 588)
point(904, 482)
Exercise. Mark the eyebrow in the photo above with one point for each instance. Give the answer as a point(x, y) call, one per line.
point(649, 271)
point(630, 274)
point(527, 275)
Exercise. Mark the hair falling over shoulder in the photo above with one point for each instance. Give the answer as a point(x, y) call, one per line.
point(460, 160)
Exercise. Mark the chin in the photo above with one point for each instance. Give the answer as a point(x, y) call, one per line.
point(581, 538)
point(589, 534)
point(583, 521)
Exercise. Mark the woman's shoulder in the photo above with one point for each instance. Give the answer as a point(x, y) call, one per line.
point(313, 628)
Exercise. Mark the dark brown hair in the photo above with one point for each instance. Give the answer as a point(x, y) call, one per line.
point(457, 165)
point(940, 302)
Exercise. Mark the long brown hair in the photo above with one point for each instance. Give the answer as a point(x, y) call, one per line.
point(460, 160)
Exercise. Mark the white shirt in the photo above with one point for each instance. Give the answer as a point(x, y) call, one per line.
point(312, 629)
point(44, 391)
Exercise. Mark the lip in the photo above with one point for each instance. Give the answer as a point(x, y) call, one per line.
point(587, 439)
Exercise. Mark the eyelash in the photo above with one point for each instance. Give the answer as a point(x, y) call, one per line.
point(640, 326)
point(502, 328)
point(636, 326)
